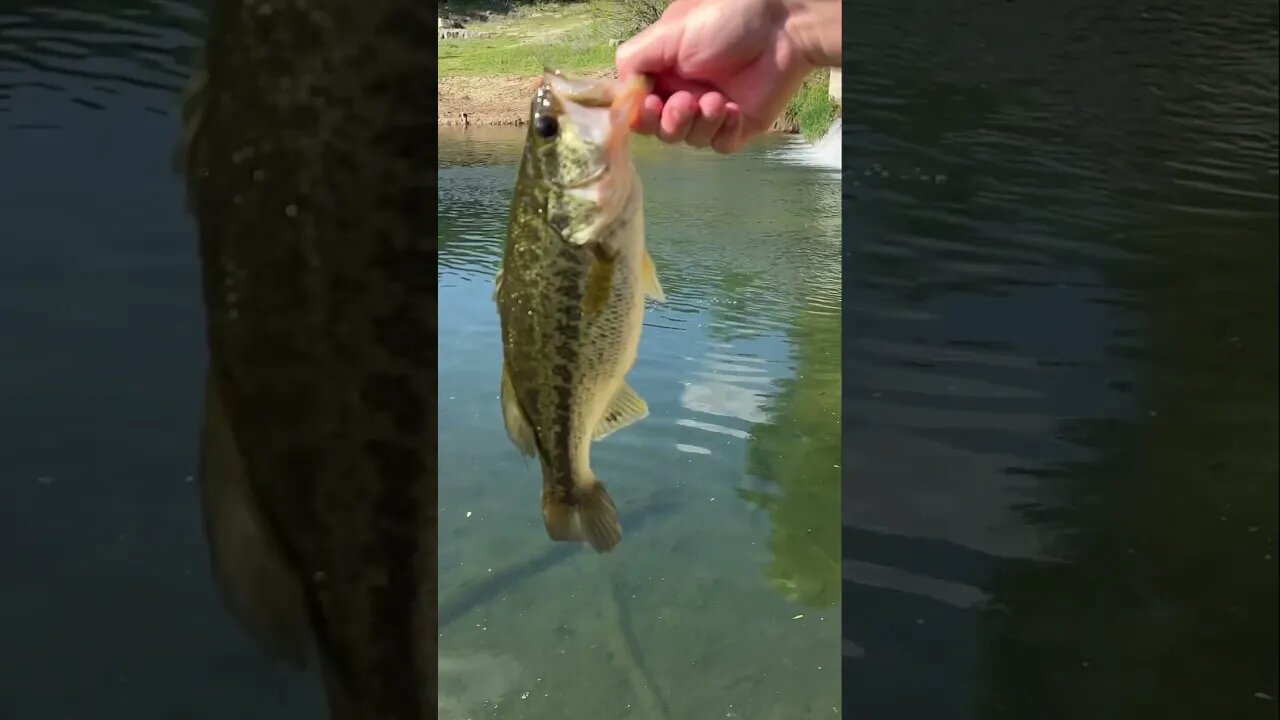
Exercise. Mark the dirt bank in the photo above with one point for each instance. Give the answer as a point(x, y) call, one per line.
point(500, 100)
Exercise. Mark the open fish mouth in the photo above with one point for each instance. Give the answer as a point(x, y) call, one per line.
point(604, 109)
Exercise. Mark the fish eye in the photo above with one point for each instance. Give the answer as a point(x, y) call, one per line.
point(546, 126)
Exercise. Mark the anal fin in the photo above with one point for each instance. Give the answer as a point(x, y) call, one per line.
point(518, 427)
point(261, 586)
point(626, 408)
point(649, 279)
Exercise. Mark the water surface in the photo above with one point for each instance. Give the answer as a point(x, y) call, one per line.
point(1060, 293)
point(722, 599)
point(107, 609)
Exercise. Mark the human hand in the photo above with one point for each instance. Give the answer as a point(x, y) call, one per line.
point(723, 70)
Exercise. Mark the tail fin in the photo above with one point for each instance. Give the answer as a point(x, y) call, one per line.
point(584, 513)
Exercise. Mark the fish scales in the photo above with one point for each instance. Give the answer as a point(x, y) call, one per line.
point(311, 174)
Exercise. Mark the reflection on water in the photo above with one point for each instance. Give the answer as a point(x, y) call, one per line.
point(1060, 303)
point(731, 484)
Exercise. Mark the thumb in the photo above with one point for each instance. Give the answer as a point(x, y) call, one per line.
point(654, 50)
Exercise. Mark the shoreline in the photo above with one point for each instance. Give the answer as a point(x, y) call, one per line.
point(503, 100)
point(494, 100)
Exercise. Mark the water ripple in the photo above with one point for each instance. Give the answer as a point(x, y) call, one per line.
point(91, 57)
point(1023, 185)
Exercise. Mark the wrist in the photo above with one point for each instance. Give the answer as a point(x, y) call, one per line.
point(814, 27)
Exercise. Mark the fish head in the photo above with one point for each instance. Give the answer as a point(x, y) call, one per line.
point(578, 149)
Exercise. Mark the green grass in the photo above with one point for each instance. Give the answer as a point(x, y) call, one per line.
point(487, 56)
point(564, 36)
point(812, 110)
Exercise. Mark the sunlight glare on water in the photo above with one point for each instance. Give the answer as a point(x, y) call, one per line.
point(824, 154)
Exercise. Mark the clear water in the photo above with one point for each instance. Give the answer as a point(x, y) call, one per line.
point(722, 600)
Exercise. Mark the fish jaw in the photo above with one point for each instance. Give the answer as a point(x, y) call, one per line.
point(623, 101)
point(584, 103)
point(602, 112)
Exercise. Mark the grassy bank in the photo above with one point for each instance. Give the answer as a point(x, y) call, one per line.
point(521, 40)
point(483, 78)
point(812, 110)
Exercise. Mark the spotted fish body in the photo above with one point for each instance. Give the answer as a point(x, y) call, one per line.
point(311, 172)
point(571, 296)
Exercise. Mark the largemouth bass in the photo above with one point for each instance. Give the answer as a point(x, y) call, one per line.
point(310, 160)
point(571, 293)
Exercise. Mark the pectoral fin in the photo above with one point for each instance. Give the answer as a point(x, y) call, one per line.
point(518, 427)
point(260, 585)
point(497, 284)
point(649, 279)
point(626, 408)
